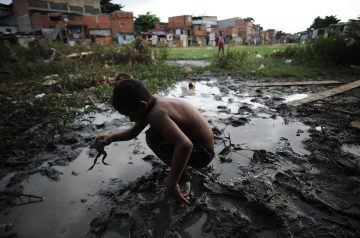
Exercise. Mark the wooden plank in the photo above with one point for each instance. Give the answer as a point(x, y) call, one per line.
point(327, 93)
point(355, 124)
point(296, 83)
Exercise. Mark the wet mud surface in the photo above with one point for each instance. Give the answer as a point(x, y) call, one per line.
point(279, 171)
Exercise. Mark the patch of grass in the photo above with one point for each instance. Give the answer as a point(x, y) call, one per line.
point(191, 53)
point(203, 53)
point(259, 61)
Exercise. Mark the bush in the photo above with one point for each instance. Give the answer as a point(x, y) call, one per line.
point(161, 52)
point(335, 50)
point(229, 60)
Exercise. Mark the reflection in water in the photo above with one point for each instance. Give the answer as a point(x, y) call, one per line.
point(294, 97)
point(195, 226)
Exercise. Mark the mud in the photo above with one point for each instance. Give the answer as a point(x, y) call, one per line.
point(280, 171)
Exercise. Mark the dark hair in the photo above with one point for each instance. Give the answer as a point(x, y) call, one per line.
point(122, 76)
point(127, 93)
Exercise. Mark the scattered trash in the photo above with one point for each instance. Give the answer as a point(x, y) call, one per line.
point(288, 61)
point(7, 227)
point(40, 95)
point(49, 82)
point(261, 67)
point(82, 54)
point(51, 76)
point(191, 85)
point(258, 56)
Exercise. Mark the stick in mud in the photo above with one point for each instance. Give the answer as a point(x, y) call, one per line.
point(20, 195)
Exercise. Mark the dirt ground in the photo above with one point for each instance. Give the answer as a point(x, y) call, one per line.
point(277, 192)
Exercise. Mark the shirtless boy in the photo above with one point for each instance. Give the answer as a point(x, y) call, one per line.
point(178, 133)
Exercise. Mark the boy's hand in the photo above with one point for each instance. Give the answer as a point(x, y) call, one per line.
point(176, 192)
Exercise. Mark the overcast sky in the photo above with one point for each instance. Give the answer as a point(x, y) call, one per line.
point(286, 15)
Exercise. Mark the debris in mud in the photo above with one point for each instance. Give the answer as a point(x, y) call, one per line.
point(99, 223)
point(149, 158)
point(18, 198)
point(236, 121)
point(51, 173)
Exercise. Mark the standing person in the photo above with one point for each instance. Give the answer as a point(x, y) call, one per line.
point(179, 135)
point(221, 43)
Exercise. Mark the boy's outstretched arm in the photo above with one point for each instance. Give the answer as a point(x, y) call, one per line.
point(167, 128)
point(122, 135)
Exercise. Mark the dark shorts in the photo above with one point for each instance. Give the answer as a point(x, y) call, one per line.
point(199, 158)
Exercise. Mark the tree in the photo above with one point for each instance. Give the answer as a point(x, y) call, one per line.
point(324, 22)
point(108, 7)
point(279, 34)
point(146, 22)
point(249, 19)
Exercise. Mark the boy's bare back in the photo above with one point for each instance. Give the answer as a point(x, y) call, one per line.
point(169, 114)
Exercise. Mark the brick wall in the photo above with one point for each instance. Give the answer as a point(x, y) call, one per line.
point(39, 20)
point(161, 26)
point(198, 30)
point(121, 22)
point(180, 22)
point(20, 7)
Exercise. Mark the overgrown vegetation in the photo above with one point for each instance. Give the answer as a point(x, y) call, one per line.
point(230, 59)
point(337, 49)
point(40, 97)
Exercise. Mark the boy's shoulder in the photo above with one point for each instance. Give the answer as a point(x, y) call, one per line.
point(166, 106)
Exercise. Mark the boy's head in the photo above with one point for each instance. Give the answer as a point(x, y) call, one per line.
point(122, 76)
point(129, 96)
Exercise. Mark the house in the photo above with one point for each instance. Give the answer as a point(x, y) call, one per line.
point(240, 31)
point(181, 27)
point(269, 36)
point(202, 30)
point(8, 23)
point(68, 20)
point(311, 34)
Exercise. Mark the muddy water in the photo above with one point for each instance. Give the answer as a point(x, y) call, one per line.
point(72, 202)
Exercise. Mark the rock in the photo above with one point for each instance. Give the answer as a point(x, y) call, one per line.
point(99, 224)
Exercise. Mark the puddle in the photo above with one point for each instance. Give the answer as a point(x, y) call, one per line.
point(69, 204)
point(200, 63)
point(295, 97)
point(209, 98)
point(261, 133)
point(267, 133)
point(195, 226)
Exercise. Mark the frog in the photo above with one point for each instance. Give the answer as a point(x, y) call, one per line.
point(100, 148)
